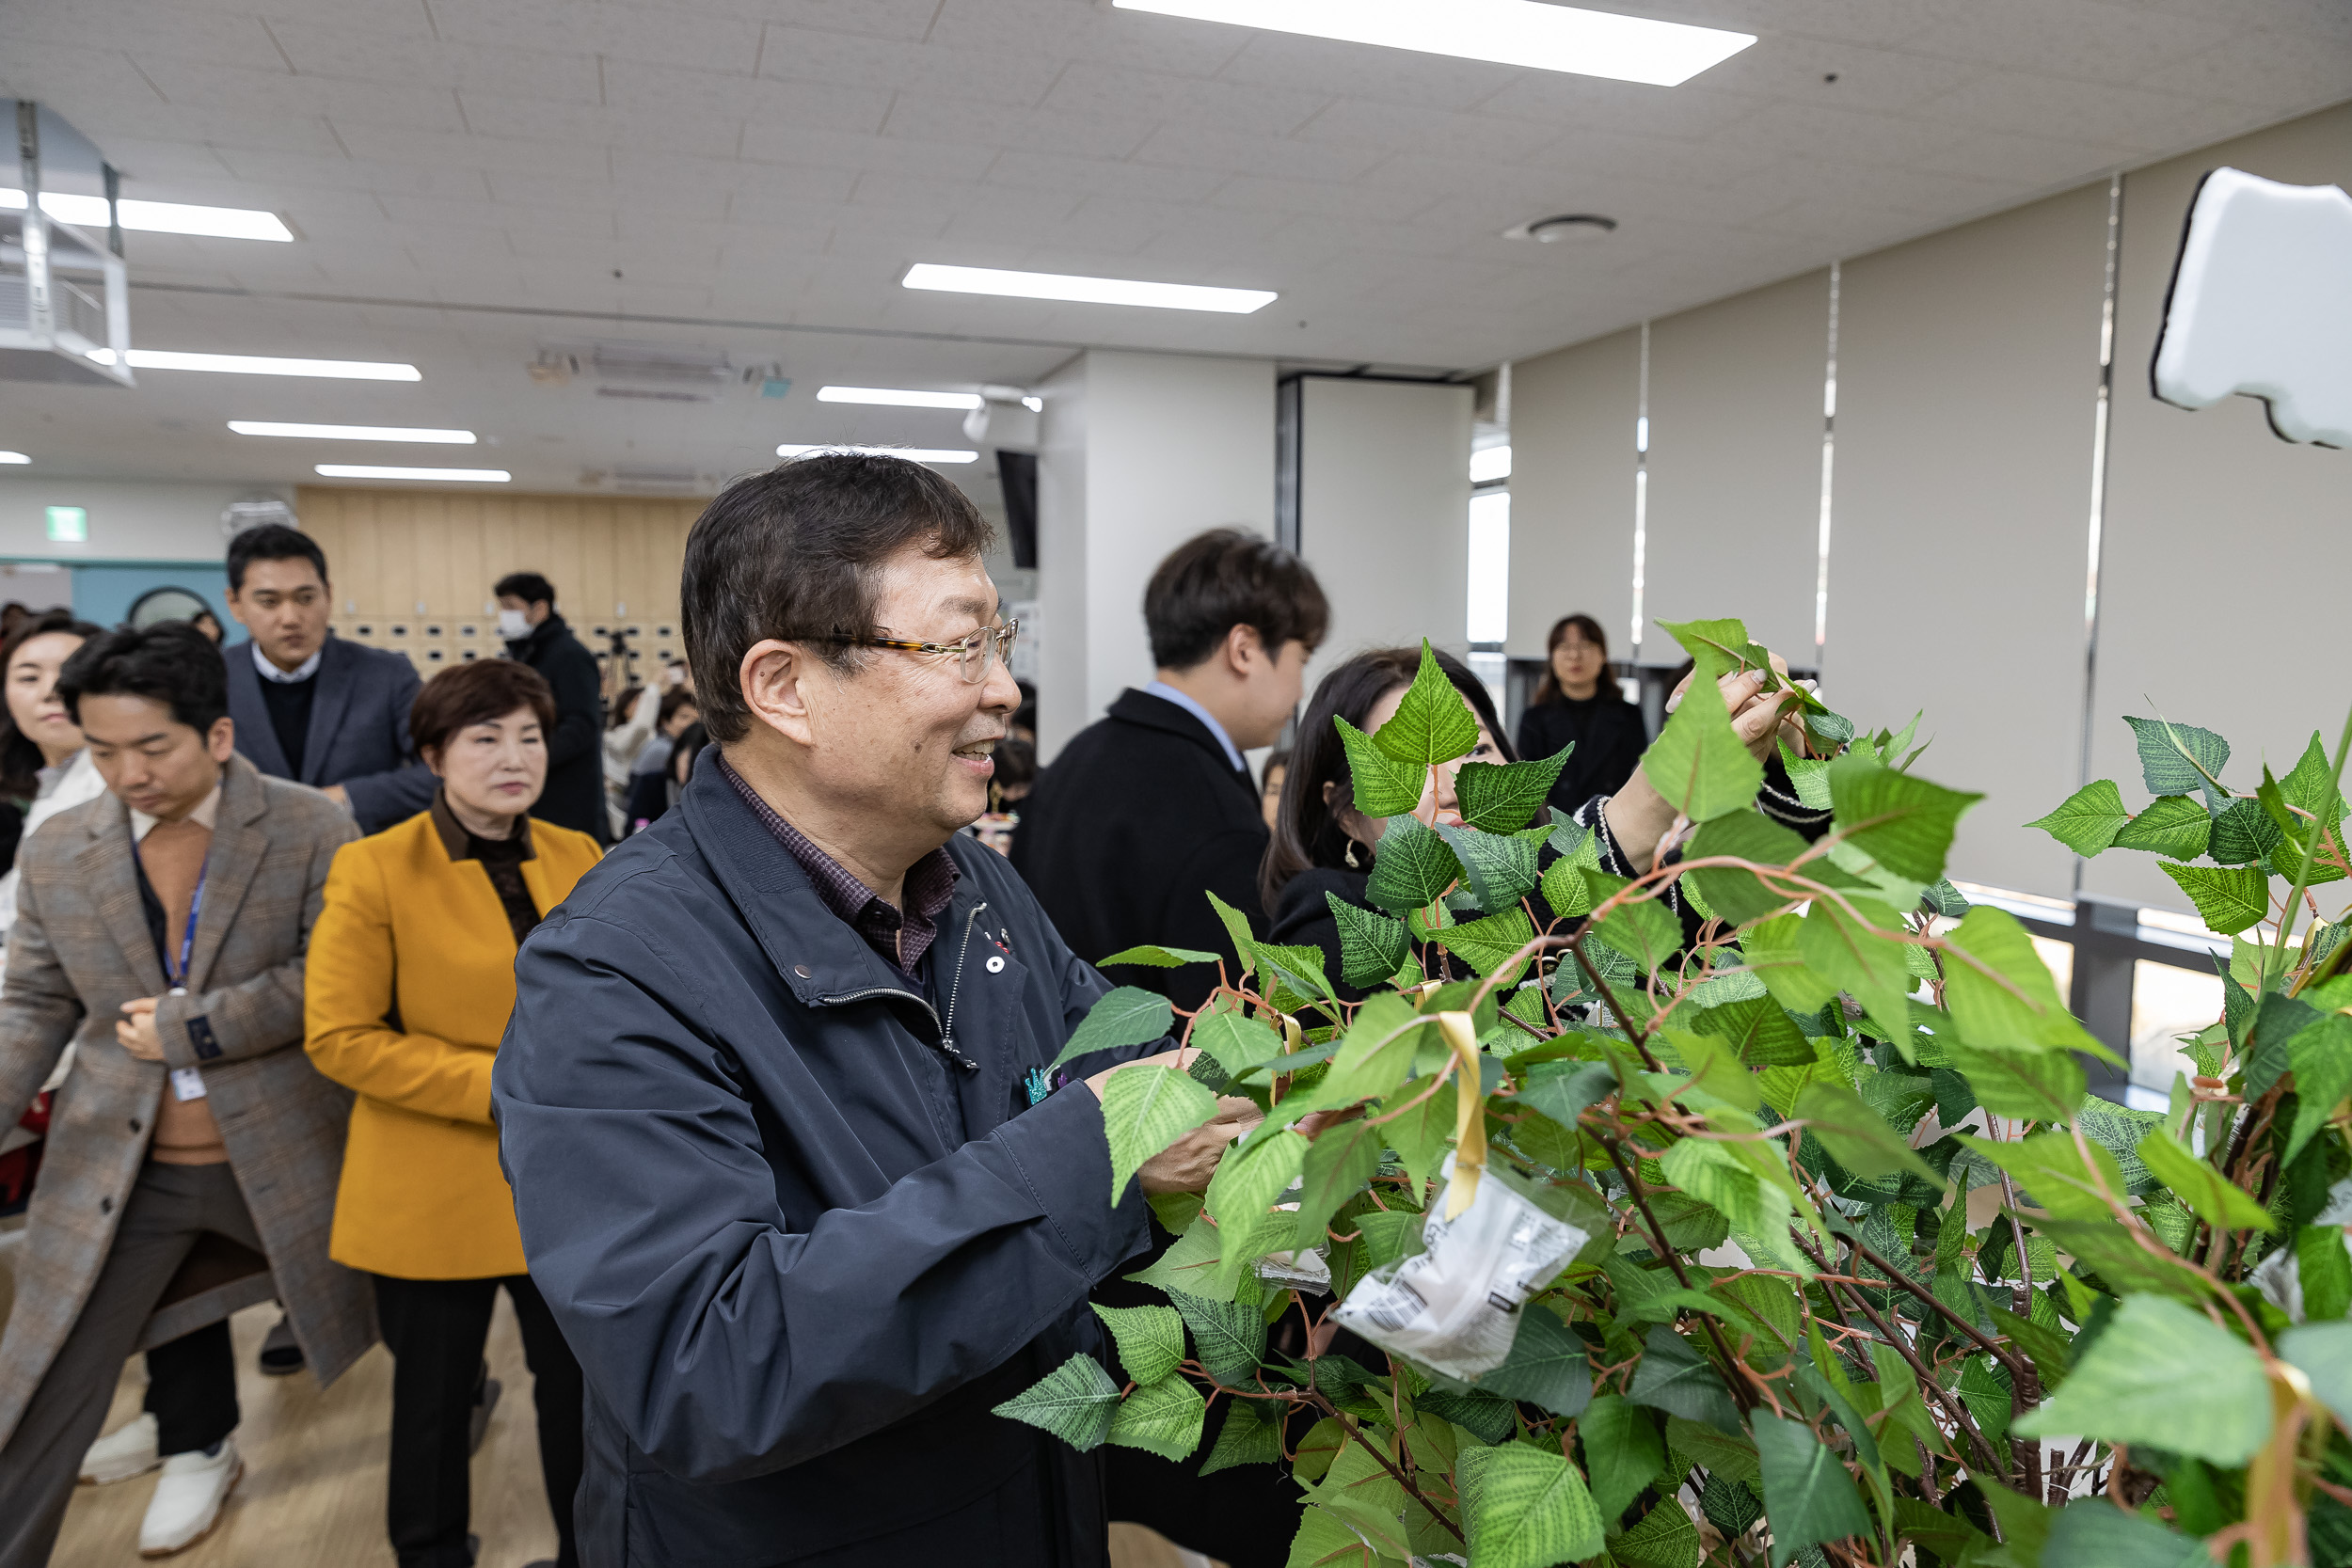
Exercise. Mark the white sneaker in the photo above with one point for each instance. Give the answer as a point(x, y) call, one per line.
point(188, 1499)
point(126, 1452)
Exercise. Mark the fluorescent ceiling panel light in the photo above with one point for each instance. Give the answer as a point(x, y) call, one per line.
point(1085, 290)
point(371, 471)
point(156, 217)
point(13, 457)
point(893, 398)
point(255, 364)
point(1035, 406)
point(913, 454)
point(1489, 463)
point(353, 432)
point(1525, 33)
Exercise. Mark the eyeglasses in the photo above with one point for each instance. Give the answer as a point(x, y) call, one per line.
point(972, 654)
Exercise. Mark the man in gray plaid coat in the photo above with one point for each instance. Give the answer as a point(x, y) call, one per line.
point(193, 1151)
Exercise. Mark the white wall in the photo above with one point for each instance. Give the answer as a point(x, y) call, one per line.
point(1384, 512)
point(128, 521)
point(1572, 416)
point(1137, 453)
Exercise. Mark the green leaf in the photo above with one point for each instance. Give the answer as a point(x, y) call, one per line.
point(1236, 929)
point(1561, 1090)
point(2312, 783)
point(1249, 1179)
point(1075, 1401)
point(2025, 1011)
point(2094, 1533)
point(1146, 1108)
point(1500, 869)
point(1301, 966)
point(1716, 648)
point(1190, 1264)
point(1125, 1016)
point(1150, 1339)
point(1772, 952)
point(1737, 896)
point(1413, 869)
point(2050, 1168)
point(1420, 1137)
point(1665, 1538)
point(1904, 823)
point(1323, 1541)
point(2219, 1201)
point(1246, 1439)
point(1808, 1496)
point(1371, 945)
point(1230, 1336)
point(1162, 1418)
point(1503, 797)
point(1546, 1366)
point(2323, 1352)
point(1622, 1450)
point(1760, 1030)
point(2087, 820)
point(2321, 1055)
point(1644, 929)
point(1155, 957)
point(1338, 1165)
point(1525, 1507)
point(1487, 944)
point(1382, 784)
point(1870, 968)
point(1697, 763)
point(1855, 1135)
point(2130, 1387)
point(1675, 1378)
point(2242, 835)
point(1432, 723)
point(2020, 1079)
point(2180, 759)
point(1237, 1042)
point(2229, 898)
point(2175, 826)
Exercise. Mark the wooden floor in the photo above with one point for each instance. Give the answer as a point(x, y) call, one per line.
point(313, 1487)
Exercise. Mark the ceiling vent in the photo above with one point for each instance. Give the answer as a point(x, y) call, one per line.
point(656, 373)
point(649, 479)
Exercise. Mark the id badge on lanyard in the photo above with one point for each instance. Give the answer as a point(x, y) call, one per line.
point(186, 1082)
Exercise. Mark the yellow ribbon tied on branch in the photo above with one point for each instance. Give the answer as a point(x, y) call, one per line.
point(1469, 1116)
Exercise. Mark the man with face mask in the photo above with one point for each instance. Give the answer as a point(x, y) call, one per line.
point(537, 635)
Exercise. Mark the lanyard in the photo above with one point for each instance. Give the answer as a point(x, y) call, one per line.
point(187, 938)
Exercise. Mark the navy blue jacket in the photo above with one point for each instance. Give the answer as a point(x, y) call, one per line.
point(359, 730)
point(798, 1247)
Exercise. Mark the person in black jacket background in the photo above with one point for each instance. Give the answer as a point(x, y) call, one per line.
point(1151, 806)
point(1577, 702)
point(537, 635)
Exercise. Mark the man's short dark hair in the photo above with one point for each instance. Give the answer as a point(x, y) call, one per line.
point(1225, 579)
point(270, 541)
point(530, 587)
point(171, 663)
point(475, 693)
point(797, 551)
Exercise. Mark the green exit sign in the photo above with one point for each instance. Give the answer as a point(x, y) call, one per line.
point(69, 524)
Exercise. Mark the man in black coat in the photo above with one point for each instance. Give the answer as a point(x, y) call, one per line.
point(790, 1172)
point(1150, 807)
point(309, 705)
point(537, 635)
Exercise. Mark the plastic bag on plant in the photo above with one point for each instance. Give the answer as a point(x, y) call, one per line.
point(1455, 1304)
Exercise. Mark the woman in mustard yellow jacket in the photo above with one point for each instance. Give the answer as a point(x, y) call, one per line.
point(410, 979)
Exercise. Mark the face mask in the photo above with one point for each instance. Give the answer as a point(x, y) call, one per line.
point(514, 625)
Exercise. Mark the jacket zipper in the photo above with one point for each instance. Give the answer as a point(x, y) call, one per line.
point(947, 1029)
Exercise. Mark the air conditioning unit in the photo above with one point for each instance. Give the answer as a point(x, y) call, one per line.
point(649, 479)
point(657, 373)
point(65, 301)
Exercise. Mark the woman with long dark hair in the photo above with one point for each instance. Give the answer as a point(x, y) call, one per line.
point(1577, 703)
point(44, 768)
point(1322, 845)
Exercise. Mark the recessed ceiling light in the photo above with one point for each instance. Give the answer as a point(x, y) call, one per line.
point(1085, 290)
point(913, 454)
point(1563, 226)
point(13, 457)
point(371, 470)
point(255, 364)
point(353, 432)
point(893, 398)
point(1526, 33)
point(156, 217)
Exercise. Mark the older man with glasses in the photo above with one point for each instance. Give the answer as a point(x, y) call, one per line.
point(790, 1170)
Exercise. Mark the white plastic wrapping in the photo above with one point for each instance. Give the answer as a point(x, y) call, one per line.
point(1454, 1306)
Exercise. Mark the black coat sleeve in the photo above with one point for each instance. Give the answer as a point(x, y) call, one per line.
point(1224, 863)
point(397, 793)
point(726, 1341)
point(571, 672)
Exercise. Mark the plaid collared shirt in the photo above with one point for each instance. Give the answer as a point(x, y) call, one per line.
point(900, 937)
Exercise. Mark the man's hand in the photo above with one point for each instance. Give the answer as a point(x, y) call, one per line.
point(1187, 1165)
point(339, 794)
point(136, 1030)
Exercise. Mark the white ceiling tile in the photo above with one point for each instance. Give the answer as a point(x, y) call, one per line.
point(100, 118)
point(576, 158)
point(645, 35)
point(1077, 30)
point(223, 89)
point(2036, 162)
point(1885, 81)
point(2083, 39)
point(800, 54)
point(2085, 111)
point(2259, 66)
point(430, 213)
point(949, 195)
point(1316, 235)
point(1364, 71)
point(1103, 177)
point(1088, 88)
point(1630, 108)
point(654, 91)
point(87, 85)
point(1825, 131)
point(1899, 190)
point(1206, 147)
point(1602, 155)
point(153, 166)
point(276, 169)
point(695, 127)
point(156, 27)
point(1373, 202)
point(853, 150)
point(316, 50)
point(1102, 131)
point(908, 20)
point(1360, 122)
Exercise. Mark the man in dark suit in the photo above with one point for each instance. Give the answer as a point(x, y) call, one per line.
point(1153, 805)
point(537, 635)
point(309, 706)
